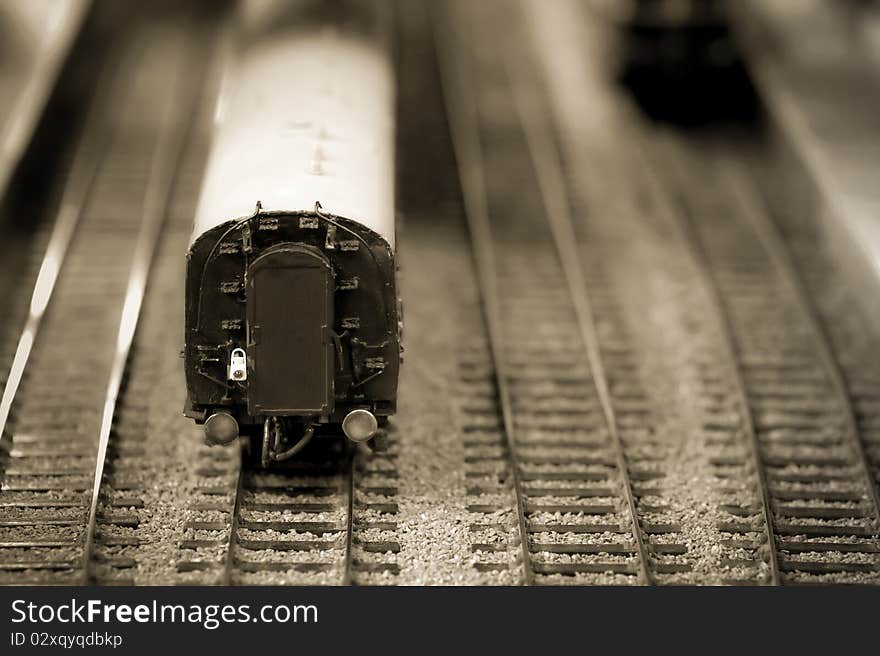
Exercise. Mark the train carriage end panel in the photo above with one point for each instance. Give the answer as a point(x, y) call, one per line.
point(230, 305)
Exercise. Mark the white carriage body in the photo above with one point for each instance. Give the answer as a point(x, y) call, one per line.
point(305, 116)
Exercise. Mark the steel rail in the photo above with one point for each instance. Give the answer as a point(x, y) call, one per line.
point(684, 220)
point(463, 121)
point(77, 189)
point(551, 182)
point(22, 119)
point(160, 184)
point(229, 562)
point(772, 241)
point(348, 556)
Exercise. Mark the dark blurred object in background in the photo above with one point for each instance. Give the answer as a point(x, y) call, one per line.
point(680, 60)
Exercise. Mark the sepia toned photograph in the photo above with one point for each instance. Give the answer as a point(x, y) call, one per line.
point(439, 293)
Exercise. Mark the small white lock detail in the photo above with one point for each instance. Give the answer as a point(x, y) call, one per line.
point(238, 365)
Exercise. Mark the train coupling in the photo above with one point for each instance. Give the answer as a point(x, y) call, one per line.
point(220, 428)
point(360, 425)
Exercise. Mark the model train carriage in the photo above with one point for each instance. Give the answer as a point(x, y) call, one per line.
point(291, 310)
point(291, 315)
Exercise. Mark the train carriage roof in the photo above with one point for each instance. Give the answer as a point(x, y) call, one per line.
point(305, 116)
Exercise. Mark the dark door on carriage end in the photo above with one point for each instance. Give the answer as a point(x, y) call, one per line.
point(290, 318)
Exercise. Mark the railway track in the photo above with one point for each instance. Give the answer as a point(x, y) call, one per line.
point(837, 303)
point(561, 396)
point(59, 403)
point(297, 524)
point(816, 500)
point(35, 179)
point(794, 479)
point(326, 519)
